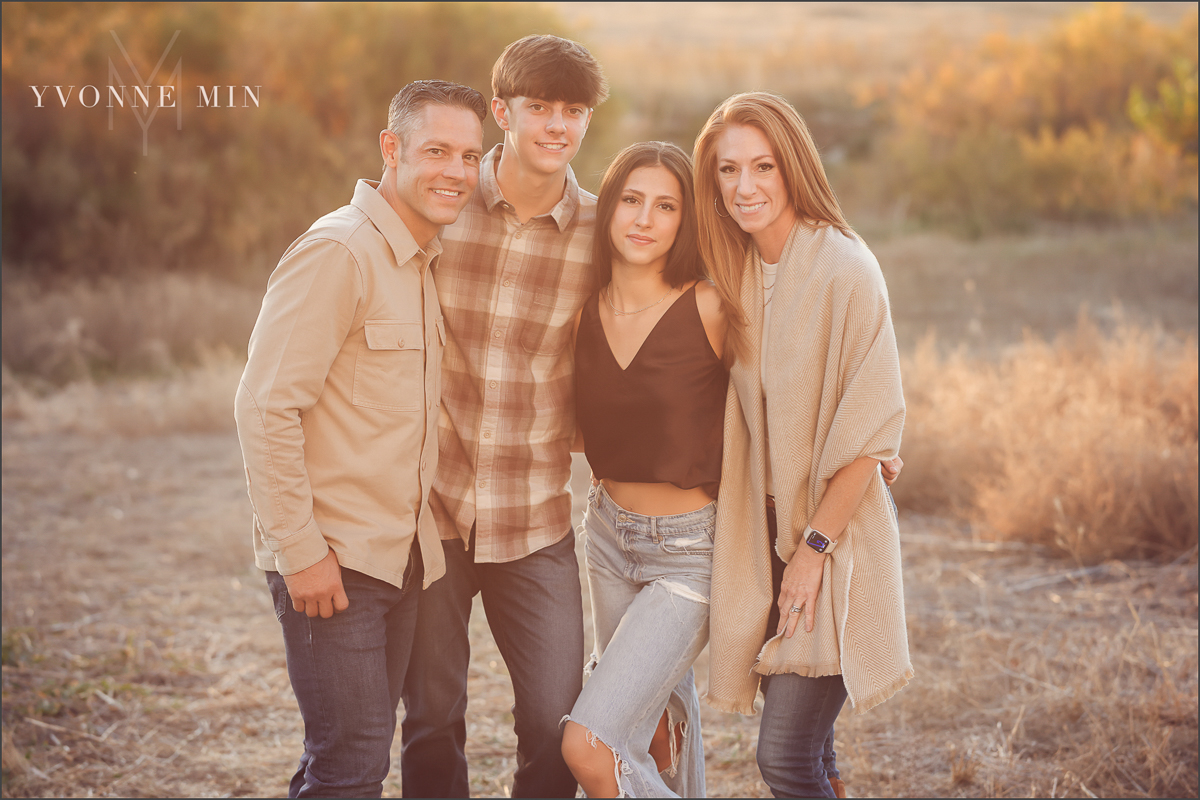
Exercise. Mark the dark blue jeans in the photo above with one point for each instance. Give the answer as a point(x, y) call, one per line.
point(795, 737)
point(347, 672)
point(534, 607)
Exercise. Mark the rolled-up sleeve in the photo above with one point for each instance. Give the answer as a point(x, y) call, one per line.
point(311, 305)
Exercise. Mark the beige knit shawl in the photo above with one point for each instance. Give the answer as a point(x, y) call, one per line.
point(833, 379)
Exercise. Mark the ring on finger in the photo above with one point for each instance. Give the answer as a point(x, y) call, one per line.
point(795, 609)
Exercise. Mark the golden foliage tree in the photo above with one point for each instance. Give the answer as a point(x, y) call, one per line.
point(1094, 120)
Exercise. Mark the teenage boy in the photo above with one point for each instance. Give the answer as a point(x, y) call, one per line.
point(337, 417)
point(515, 270)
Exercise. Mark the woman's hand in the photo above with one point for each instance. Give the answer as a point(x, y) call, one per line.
point(799, 590)
point(891, 469)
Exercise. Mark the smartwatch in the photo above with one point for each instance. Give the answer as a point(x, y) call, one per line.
point(819, 541)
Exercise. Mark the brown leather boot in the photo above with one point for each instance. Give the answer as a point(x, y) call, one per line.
point(839, 788)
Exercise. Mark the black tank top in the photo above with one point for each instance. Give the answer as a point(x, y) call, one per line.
point(660, 419)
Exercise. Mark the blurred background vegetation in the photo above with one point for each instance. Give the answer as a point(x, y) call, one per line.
point(228, 193)
point(1090, 118)
point(1010, 164)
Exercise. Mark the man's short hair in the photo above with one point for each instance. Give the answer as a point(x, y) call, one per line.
point(408, 102)
point(549, 68)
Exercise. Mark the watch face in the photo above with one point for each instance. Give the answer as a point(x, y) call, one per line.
point(818, 541)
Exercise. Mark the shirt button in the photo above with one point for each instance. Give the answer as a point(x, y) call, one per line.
point(496, 333)
point(518, 236)
point(622, 518)
point(400, 343)
point(487, 434)
point(508, 283)
point(423, 463)
point(492, 384)
point(483, 484)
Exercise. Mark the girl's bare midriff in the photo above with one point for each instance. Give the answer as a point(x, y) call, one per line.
point(655, 499)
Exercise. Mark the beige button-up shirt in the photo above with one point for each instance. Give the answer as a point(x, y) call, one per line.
point(337, 409)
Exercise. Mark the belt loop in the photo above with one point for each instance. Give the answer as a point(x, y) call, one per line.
point(654, 528)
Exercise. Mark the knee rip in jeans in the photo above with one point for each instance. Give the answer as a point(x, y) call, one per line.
point(620, 768)
point(679, 590)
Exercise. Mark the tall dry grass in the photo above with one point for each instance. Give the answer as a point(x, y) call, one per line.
point(176, 342)
point(198, 399)
point(150, 324)
point(1087, 444)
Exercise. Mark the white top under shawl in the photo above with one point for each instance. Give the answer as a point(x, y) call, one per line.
point(769, 274)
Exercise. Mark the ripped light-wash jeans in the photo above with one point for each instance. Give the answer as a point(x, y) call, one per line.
point(649, 580)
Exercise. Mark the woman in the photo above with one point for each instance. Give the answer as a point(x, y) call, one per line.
point(650, 400)
point(805, 526)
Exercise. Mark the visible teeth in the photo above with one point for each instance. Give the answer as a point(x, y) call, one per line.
point(751, 209)
point(447, 193)
point(554, 146)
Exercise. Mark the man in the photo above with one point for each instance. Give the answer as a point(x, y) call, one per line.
point(515, 270)
point(337, 414)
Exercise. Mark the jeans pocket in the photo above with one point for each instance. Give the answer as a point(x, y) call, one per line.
point(696, 541)
point(279, 596)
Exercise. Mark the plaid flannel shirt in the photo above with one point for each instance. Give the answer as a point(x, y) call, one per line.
point(509, 295)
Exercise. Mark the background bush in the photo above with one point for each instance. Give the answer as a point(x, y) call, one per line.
point(1087, 445)
point(229, 192)
point(1095, 120)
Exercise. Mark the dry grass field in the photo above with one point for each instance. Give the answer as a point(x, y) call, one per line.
point(141, 657)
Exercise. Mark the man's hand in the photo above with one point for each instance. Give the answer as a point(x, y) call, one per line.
point(318, 589)
point(891, 469)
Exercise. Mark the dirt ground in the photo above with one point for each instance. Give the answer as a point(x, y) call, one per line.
point(142, 658)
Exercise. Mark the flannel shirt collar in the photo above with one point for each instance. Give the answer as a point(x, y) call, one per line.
point(562, 213)
point(368, 200)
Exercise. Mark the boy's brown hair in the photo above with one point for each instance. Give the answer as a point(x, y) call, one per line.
point(550, 68)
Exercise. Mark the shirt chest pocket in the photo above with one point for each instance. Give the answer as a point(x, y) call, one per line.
point(546, 329)
point(389, 371)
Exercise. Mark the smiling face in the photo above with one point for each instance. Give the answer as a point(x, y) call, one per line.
point(430, 176)
point(646, 218)
point(752, 188)
point(545, 135)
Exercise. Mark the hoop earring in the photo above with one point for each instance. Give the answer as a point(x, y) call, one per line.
point(717, 209)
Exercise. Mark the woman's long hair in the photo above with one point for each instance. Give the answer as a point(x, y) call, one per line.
point(683, 260)
point(723, 244)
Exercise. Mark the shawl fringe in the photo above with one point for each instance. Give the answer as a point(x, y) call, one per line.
point(799, 668)
point(729, 706)
point(867, 703)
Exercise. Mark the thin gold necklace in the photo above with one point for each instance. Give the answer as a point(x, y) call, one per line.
point(620, 313)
